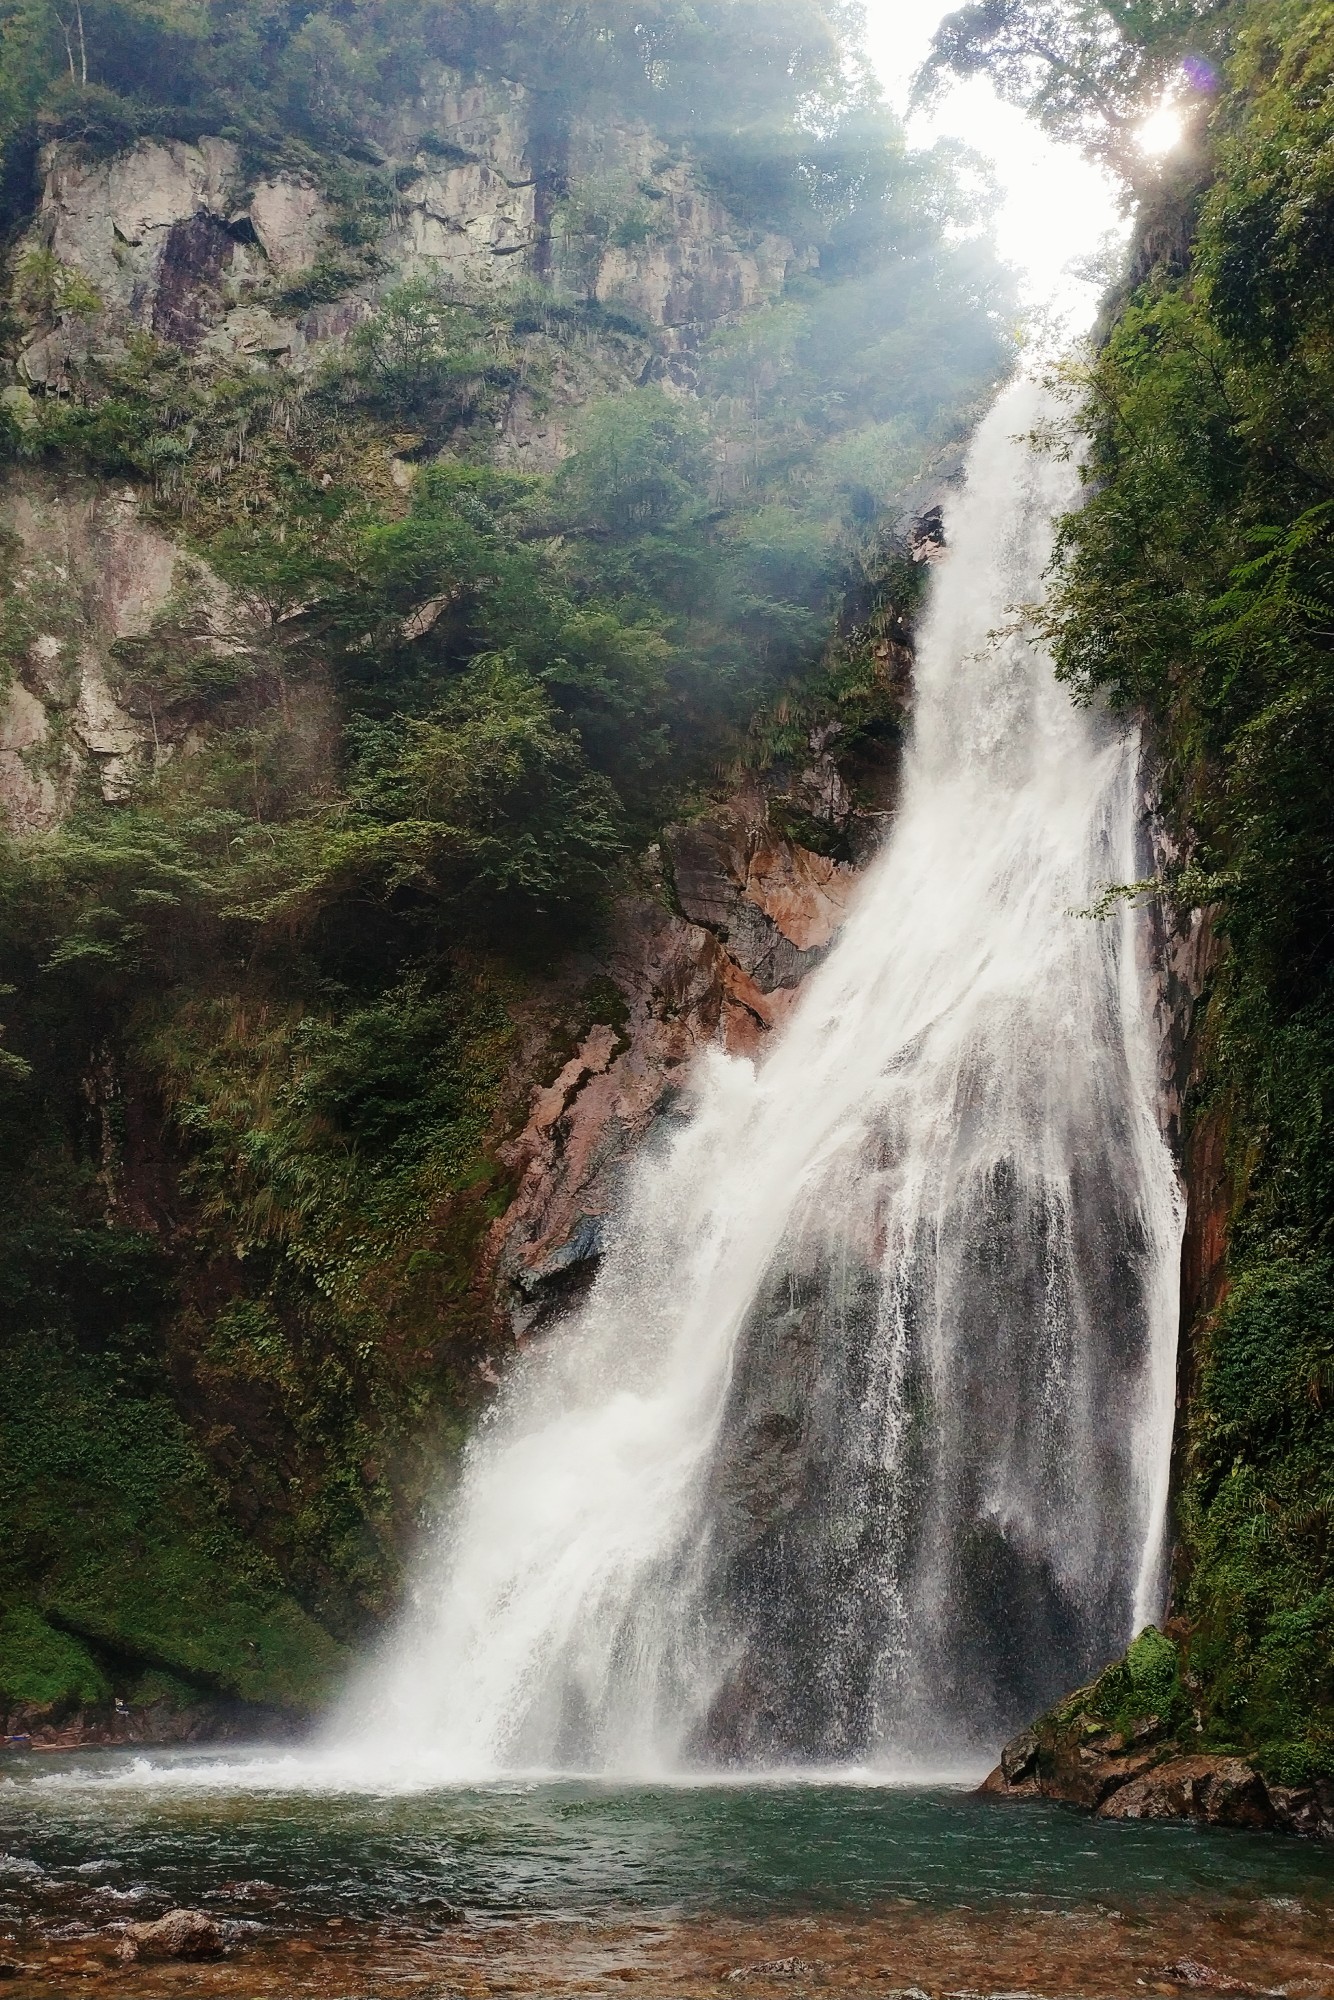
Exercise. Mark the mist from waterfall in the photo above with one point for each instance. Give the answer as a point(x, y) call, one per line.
point(857, 1452)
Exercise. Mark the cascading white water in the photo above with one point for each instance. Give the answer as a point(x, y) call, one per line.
point(858, 1449)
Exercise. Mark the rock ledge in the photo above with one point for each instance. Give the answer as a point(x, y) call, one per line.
point(1137, 1767)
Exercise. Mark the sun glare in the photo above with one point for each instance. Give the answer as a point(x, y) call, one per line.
point(1161, 131)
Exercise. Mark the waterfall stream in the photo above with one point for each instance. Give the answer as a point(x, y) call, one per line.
point(857, 1452)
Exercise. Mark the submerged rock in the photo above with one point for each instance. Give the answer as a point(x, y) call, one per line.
point(773, 1968)
point(180, 1934)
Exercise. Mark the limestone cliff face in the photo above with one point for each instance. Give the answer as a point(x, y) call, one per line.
point(173, 240)
point(89, 582)
point(169, 240)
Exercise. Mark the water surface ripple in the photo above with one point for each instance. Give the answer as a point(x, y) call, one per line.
point(87, 1839)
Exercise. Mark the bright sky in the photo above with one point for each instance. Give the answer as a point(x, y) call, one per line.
point(1056, 206)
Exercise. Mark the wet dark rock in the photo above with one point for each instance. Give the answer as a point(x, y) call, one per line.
point(1305, 1809)
point(1223, 1791)
point(209, 1719)
point(926, 537)
point(1019, 1758)
point(195, 257)
point(576, 1258)
point(711, 866)
point(180, 1934)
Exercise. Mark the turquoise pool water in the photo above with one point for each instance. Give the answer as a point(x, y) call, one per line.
point(88, 1838)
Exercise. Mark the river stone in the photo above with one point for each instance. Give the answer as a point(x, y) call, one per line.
point(180, 1934)
point(772, 1968)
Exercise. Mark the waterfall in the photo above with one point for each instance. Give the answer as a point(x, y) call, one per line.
point(857, 1451)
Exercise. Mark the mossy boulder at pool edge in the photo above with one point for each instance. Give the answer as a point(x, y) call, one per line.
point(1131, 1745)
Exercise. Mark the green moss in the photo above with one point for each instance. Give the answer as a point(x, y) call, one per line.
point(1141, 1692)
point(1258, 1513)
point(45, 1668)
point(200, 1609)
point(109, 1520)
point(154, 1689)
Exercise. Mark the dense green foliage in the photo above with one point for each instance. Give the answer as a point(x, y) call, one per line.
point(1197, 584)
point(270, 1009)
point(109, 1506)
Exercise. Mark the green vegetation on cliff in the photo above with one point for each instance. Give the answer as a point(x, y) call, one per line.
point(1197, 584)
point(271, 1001)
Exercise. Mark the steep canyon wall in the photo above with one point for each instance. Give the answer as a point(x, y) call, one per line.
point(268, 1378)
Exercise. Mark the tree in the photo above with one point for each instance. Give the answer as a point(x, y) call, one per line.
point(1088, 70)
point(422, 348)
point(641, 461)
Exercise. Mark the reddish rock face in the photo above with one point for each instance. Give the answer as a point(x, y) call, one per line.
point(712, 953)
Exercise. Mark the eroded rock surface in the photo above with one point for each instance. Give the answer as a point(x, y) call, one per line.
point(90, 587)
point(169, 239)
point(732, 918)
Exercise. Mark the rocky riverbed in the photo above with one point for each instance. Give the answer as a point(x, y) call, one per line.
point(1244, 1947)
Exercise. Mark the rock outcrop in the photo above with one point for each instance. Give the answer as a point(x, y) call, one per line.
point(734, 910)
point(92, 590)
point(170, 239)
point(1141, 1767)
point(732, 918)
point(197, 1718)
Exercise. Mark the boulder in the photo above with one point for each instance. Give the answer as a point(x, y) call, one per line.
point(1019, 1758)
point(180, 1934)
point(1305, 1809)
point(1223, 1791)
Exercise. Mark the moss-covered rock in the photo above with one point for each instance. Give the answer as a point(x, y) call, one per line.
point(1131, 1745)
